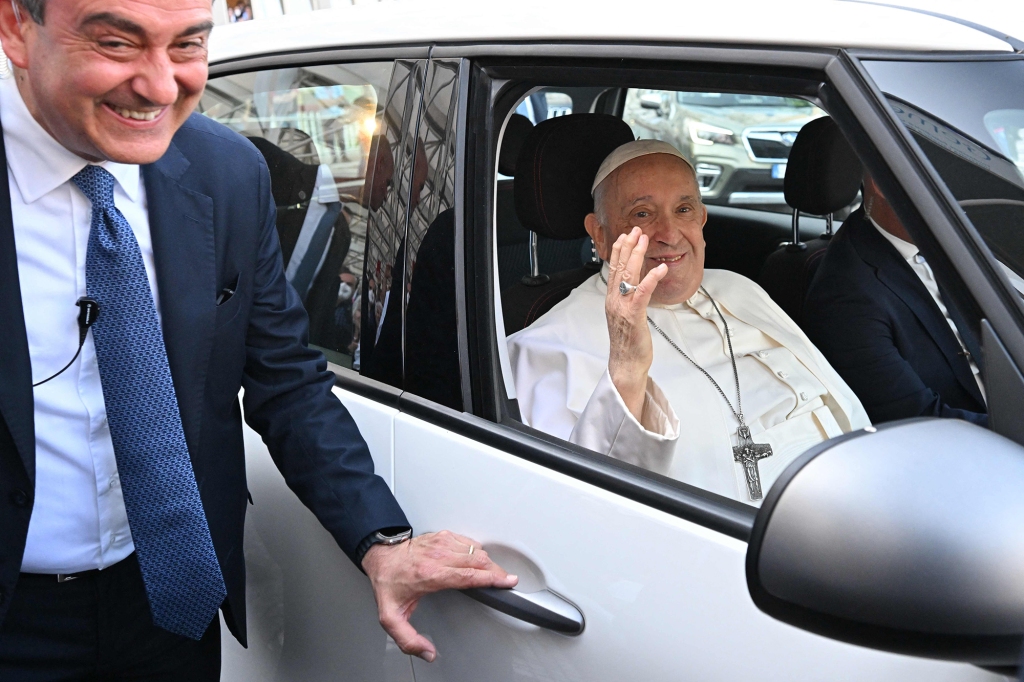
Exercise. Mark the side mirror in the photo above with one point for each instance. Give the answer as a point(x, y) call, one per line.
point(908, 538)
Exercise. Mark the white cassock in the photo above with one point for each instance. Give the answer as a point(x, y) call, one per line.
point(792, 398)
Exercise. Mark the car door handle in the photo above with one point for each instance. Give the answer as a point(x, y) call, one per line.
point(543, 608)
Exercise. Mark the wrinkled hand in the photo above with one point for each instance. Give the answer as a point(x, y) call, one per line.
point(631, 351)
point(402, 574)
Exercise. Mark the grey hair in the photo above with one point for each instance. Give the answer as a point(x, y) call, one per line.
point(599, 207)
point(34, 9)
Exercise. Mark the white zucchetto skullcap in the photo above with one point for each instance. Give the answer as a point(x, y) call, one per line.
point(634, 150)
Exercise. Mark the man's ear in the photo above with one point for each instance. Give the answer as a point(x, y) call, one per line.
point(13, 33)
point(598, 234)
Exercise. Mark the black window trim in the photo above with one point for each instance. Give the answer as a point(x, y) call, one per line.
point(316, 57)
point(897, 56)
point(460, 222)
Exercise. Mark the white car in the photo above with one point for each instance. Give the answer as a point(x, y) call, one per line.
point(392, 144)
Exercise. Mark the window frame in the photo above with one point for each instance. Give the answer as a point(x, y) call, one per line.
point(831, 68)
point(846, 93)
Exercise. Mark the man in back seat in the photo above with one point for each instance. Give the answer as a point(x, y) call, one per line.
point(876, 311)
point(690, 373)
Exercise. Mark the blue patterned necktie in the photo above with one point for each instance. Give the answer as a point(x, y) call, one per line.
point(172, 539)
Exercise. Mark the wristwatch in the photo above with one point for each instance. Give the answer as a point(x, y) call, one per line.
point(384, 536)
point(380, 539)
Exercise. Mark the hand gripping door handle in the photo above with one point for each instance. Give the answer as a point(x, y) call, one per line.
point(543, 608)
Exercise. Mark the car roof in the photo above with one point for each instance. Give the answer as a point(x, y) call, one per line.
point(797, 23)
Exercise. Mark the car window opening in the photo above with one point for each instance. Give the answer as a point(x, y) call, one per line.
point(739, 147)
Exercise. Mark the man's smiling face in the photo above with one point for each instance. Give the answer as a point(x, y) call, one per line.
point(111, 79)
point(657, 193)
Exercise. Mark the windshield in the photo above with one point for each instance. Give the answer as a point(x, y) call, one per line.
point(727, 99)
point(968, 117)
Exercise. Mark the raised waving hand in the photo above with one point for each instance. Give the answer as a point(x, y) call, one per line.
point(631, 351)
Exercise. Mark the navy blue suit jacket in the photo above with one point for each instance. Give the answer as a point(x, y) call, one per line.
point(874, 320)
point(212, 218)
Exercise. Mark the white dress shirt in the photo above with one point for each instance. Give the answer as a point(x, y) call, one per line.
point(792, 398)
point(920, 266)
point(78, 518)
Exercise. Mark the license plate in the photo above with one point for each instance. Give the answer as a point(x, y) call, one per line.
point(778, 170)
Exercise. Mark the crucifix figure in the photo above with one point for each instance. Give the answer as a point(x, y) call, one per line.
point(747, 453)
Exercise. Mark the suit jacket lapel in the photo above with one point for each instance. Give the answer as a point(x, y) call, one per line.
point(897, 275)
point(16, 402)
point(181, 222)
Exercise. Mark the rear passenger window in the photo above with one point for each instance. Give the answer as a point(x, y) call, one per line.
point(739, 143)
point(319, 129)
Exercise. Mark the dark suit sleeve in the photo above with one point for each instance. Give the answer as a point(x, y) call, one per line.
point(288, 400)
point(856, 336)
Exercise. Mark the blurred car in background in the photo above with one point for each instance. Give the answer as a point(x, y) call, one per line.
point(738, 143)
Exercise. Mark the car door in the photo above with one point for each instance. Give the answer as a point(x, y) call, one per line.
point(653, 569)
point(325, 128)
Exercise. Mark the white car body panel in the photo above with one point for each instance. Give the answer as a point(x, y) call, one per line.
point(807, 23)
point(311, 614)
point(664, 599)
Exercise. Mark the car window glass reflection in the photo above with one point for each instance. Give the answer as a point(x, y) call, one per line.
point(974, 138)
point(410, 266)
point(315, 127)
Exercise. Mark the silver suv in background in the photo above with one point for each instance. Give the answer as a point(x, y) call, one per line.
point(739, 144)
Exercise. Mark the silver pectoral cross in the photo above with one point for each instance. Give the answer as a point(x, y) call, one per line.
point(747, 453)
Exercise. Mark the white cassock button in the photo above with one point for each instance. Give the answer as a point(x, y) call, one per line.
point(762, 354)
point(782, 375)
point(918, 258)
point(803, 396)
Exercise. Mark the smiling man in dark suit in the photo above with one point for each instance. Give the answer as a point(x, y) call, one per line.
point(122, 473)
point(876, 311)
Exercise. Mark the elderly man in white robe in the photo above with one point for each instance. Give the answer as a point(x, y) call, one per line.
point(691, 373)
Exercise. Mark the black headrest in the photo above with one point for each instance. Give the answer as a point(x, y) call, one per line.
point(823, 173)
point(557, 165)
point(516, 131)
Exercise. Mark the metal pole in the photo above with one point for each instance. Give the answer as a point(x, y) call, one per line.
point(534, 279)
point(828, 227)
point(796, 244)
point(534, 257)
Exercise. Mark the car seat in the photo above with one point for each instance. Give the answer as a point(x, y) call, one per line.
point(823, 176)
point(554, 172)
point(513, 238)
point(522, 253)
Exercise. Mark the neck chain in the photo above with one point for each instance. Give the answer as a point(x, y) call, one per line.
point(737, 411)
point(747, 452)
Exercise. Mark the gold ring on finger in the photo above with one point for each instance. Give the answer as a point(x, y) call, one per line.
point(471, 549)
point(626, 289)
